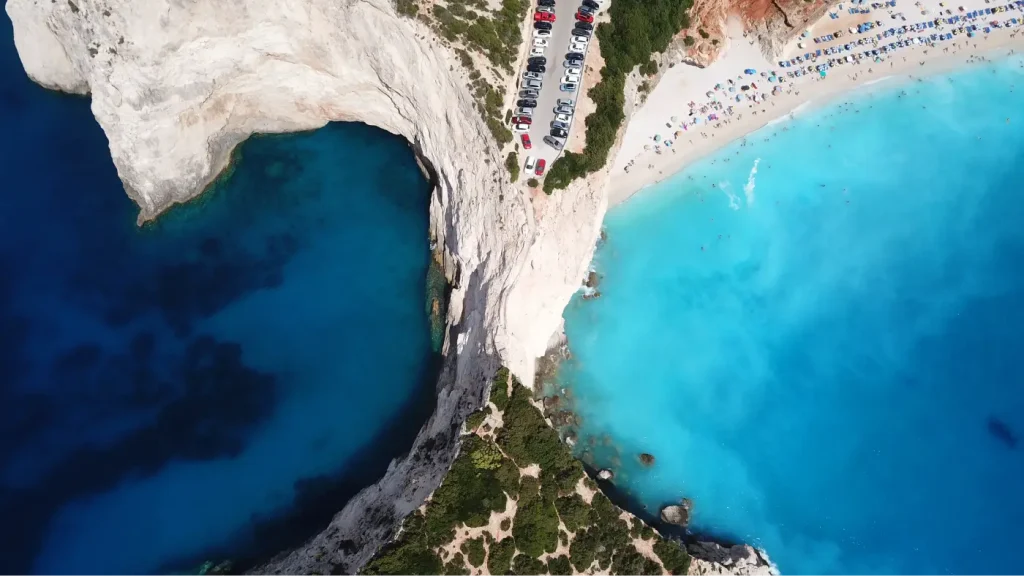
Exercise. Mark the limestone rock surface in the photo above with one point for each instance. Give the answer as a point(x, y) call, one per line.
point(712, 558)
point(177, 85)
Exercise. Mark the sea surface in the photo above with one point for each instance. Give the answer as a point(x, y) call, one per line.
point(817, 334)
point(216, 384)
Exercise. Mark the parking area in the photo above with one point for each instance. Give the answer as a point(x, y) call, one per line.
point(558, 46)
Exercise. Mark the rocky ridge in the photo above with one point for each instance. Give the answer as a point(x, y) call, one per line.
point(177, 86)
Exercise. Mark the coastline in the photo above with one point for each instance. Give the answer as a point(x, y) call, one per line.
point(677, 88)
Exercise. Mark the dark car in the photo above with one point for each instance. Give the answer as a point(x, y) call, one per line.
point(538, 68)
point(559, 133)
point(542, 25)
point(587, 10)
point(548, 3)
point(553, 142)
point(529, 94)
point(591, 4)
point(526, 103)
point(581, 32)
point(537, 60)
point(574, 56)
point(584, 26)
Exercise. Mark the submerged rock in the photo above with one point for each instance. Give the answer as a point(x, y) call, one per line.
point(605, 474)
point(647, 459)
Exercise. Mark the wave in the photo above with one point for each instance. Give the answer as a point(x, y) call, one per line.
point(734, 200)
point(748, 189)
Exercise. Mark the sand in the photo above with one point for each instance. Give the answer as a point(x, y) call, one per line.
point(635, 167)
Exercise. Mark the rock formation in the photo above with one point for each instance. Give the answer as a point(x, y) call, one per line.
point(711, 558)
point(177, 85)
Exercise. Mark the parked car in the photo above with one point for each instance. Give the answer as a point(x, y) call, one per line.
point(559, 133)
point(542, 33)
point(550, 3)
point(591, 4)
point(583, 25)
point(526, 103)
point(568, 87)
point(520, 128)
point(536, 84)
point(530, 161)
point(548, 9)
point(538, 68)
point(571, 63)
point(542, 25)
point(571, 79)
point(574, 55)
point(573, 70)
point(553, 142)
point(536, 51)
point(529, 94)
point(524, 111)
point(581, 32)
point(561, 118)
point(537, 60)
point(522, 120)
point(563, 110)
point(526, 142)
point(543, 17)
point(586, 10)
point(559, 125)
point(540, 166)
point(531, 76)
point(540, 42)
point(578, 46)
point(565, 102)
point(584, 17)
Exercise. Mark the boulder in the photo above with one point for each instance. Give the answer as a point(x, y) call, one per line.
point(647, 459)
point(605, 474)
point(676, 515)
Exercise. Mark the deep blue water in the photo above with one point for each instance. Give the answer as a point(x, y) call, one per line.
point(824, 353)
point(218, 383)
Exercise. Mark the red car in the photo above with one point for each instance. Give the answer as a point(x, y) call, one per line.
point(526, 142)
point(540, 166)
point(584, 18)
point(522, 120)
point(543, 17)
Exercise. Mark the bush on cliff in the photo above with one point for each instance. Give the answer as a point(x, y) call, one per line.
point(467, 495)
point(672, 556)
point(499, 560)
point(535, 526)
point(499, 389)
point(559, 565)
point(409, 554)
point(512, 163)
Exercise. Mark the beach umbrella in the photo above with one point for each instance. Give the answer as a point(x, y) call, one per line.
point(647, 146)
point(657, 137)
point(675, 119)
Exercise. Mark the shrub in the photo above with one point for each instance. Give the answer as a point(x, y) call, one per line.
point(523, 564)
point(583, 550)
point(501, 134)
point(512, 163)
point(474, 551)
point(486, 456)
point(650, 68)
point(456, 566)
point(536, 525)
point(508, 476)
point(506, 524)
point(500, 558)
point(703, 34)
point(573, 511)
point(689, 41)
point(409, 554)
point(630, 561)
point(499, 389)
point(559, 565)
point(474, 420)
point(407, 8)
point(672, 556)
point(532, 183)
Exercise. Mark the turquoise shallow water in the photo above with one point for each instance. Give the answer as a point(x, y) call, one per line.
point(816, 333)
point(217, 384)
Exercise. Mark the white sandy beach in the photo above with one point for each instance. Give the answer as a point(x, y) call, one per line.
point(642, 162)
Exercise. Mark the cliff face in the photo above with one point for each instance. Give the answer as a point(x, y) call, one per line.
point(177, 85)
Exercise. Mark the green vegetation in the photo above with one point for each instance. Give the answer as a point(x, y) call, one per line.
point(650, 68)
point(407, 8)
point(495, 34)
point(638, 28)
point(474, 551)
point(703, 33)
point(523, 564)
point(500, 559)
point(476, 487)
point(672, 556)
point(559, 565)
point(689, 41)
point(532, 183)
point(474, 420)
point(512, 163)
point(499, 389)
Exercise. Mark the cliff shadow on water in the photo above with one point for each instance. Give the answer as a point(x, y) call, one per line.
point(219, 382)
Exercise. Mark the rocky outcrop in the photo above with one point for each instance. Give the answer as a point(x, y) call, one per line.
point(711, 558)
point(677, 514)
point(176, 86)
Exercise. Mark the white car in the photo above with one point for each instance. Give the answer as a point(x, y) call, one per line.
point(540, 42)
point(530, 163)
point(562, 110)
point(563, 118)
point(547, 9)
point(531, 76)
point(568, 87)
point(520, 128)
point(573, 70)
point(577, 47)
point(524, 111)
point(535, 84)
point(536, 51)
point(542, 33)
point(565, 102)
point(573, 78)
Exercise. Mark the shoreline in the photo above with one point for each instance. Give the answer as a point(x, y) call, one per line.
point(670, 96)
